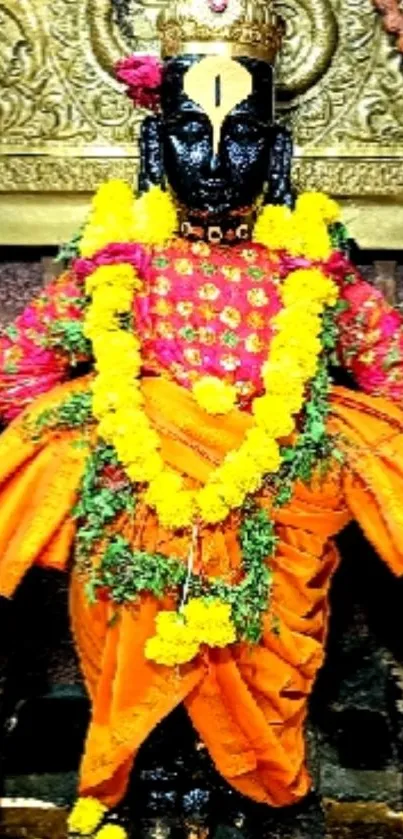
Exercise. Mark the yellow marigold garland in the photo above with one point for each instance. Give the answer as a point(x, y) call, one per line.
point(303, 232)
point(85, 816)
point(292, 362)
point(179, 636)
point(214, 395)
point(111, 218)
point(111, 831)
point(117, 217)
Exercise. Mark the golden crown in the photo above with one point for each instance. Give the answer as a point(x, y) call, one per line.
point(233, 28)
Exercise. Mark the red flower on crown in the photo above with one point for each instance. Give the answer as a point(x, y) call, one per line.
point(143, 75)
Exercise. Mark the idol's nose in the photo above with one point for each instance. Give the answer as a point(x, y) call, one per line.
point(215, 162)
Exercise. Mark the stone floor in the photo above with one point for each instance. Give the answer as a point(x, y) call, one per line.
point(343, 822)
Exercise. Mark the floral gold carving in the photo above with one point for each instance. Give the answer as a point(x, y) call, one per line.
point(343, 177)
point(309, 44)
point(376, 178)
point(39, 173)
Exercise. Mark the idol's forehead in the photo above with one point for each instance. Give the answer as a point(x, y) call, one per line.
point(175, 98)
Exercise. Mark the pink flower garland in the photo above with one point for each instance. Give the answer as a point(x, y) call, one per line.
point(114, 254)
point(392, 19)
point(143, 76)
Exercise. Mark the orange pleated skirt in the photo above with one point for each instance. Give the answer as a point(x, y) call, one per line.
point(248, 703)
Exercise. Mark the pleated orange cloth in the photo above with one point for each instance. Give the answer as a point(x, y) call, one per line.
point(248, 703)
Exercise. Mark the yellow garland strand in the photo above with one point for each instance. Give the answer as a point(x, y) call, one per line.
point(303, 232)
point(179, 636)
point(117, 217)
point(86, 816)
point(292, 362)
point(111, 831)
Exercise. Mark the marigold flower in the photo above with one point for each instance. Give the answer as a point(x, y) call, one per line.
point(173, 643)
point(231, 494)
point(214, 395)
point(239, 470)
point(273, 415)
point(111, 831)
point(302, 232)
point(110, 217)
point(155, 218)
point(167, 653)
point(147, 470)
point(85, 816)
point(273, 226)
point(110, 191)
point(210, 621)
point(311, 204)
point(177, 511)
point(263, 450)
point(211, 504)
point(310, 284)
point(110, 277)
point(168, 483)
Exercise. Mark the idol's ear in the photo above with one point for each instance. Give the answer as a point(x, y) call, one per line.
point(280, 189)
point(151, 159)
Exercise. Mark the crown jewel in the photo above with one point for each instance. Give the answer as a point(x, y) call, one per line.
point(247, 28)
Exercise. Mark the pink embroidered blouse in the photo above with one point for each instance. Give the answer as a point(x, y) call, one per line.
point(204, 310)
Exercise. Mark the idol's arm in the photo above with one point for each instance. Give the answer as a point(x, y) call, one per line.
point(371, 339)
point(369, 430)
point(32, 358)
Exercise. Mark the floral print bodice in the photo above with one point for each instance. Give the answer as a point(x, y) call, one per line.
point(208, 311)
point(203, 310)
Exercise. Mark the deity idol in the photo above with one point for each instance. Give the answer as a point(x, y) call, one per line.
point(175, 432)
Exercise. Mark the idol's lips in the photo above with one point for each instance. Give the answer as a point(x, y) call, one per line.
point(215, 185)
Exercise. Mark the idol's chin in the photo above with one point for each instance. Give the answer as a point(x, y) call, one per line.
point(212, 201)
point(214, 210)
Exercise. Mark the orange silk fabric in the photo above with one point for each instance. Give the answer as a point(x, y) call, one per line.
point(249, 704)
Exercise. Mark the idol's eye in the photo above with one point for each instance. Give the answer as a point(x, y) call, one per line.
point(244, 131)
point(190, 130)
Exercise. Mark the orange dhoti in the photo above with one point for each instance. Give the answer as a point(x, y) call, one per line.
point(248, 703)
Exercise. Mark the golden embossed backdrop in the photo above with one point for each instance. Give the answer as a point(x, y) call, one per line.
point(64, 127)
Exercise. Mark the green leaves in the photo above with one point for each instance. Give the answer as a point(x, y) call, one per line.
point(100, 501)
point(69, 335)
point(70, 250)
point(74, 412)
point(258, 542)
point(257, 537)
point(126, 573)
point(314, 446)
point(339, 237)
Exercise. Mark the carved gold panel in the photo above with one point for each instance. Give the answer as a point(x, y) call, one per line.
point(65, 127)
